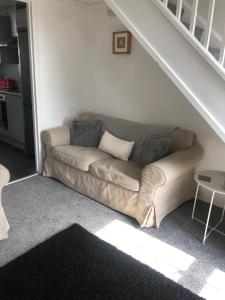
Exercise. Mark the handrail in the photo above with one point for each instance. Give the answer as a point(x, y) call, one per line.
point(205, 46)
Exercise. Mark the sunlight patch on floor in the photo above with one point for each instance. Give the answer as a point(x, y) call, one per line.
point(215, 286)
point(164, 258)
point(158, 255)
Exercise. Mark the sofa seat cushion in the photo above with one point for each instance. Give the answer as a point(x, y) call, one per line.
point(126, 174)
point(78, 157)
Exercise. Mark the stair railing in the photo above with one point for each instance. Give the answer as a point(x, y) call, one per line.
point(163, 5)
point(179, 9)
point(194, 17)
point(222, 51)
point(208, 28)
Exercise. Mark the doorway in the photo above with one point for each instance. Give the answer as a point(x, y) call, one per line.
point(17, 134)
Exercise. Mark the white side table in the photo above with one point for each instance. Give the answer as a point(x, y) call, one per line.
point(215, 185)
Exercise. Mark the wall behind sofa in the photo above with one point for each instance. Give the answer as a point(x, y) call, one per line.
point(135, 88)
point(76, 71)
point(60, 39)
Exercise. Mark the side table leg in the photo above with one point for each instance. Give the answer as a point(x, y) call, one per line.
point(196, 195)
point(223, 213)
point(209, 213)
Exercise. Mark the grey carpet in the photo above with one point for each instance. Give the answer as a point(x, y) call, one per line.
point(39, 207)
point(17, 161)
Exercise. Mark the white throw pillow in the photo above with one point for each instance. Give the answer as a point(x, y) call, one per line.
point(116, 147)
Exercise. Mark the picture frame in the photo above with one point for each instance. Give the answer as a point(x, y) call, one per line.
point(122, 42)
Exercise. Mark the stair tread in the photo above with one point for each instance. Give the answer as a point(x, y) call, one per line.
point(198, 30)
point(215, 52)
point(186, 25)
point(172, 7)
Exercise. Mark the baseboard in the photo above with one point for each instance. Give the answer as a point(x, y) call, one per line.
point(12, 142)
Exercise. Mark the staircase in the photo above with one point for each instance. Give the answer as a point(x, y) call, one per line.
point(183, 49)
point(200, 33)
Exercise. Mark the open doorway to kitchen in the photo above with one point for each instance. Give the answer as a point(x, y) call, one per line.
point(17, 149)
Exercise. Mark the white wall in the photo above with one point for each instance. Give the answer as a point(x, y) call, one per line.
point(60, 40)
point(76, 70)
point(134, 87)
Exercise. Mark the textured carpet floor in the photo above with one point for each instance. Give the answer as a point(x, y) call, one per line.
point(39, 207)
point(74, 264)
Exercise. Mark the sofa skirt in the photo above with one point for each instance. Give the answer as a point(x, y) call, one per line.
point(111, 195)
point(4, 225)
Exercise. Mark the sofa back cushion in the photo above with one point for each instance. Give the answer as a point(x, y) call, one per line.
point(85, 133)
point(134, 131)
point(150, 149)
point(181, 139)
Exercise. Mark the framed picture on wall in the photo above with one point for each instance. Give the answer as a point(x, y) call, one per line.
point(121, 42)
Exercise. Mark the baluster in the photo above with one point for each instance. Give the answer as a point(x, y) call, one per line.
point(165, 2)
point(208, 28)
point(222, 51)
point(179, 9)
point(194, 16)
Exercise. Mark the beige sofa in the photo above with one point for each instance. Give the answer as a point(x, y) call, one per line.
point(147, 194)
point(4, 225)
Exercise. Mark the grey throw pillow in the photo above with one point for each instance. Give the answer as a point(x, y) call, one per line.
point(85, 133)
point(151, 149)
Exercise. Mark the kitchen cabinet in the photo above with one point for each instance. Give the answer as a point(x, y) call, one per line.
point(15, 114)
point(5, 28)
point(9, 55)
point(8, 43)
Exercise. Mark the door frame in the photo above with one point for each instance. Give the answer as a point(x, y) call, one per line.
point(37, 141)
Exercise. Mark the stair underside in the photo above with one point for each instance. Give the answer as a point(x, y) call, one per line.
point(195, 76)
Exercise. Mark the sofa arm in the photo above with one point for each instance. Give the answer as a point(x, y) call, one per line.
point(4, 176)
point(51, 138)
point(56, 136)
point(171, 167)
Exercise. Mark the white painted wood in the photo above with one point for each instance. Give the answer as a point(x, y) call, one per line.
point(179, 9)
point(165, 2)
point(24, 178)
point(222, 51)
point(194, 85)
point(194, 16)
point(192, 40)
point(202, 22)
point(33, 69)
point(208, 28)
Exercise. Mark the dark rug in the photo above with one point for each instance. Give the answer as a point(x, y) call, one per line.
point(74, 264)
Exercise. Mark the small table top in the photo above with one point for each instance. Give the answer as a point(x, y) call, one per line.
point(217, 183)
